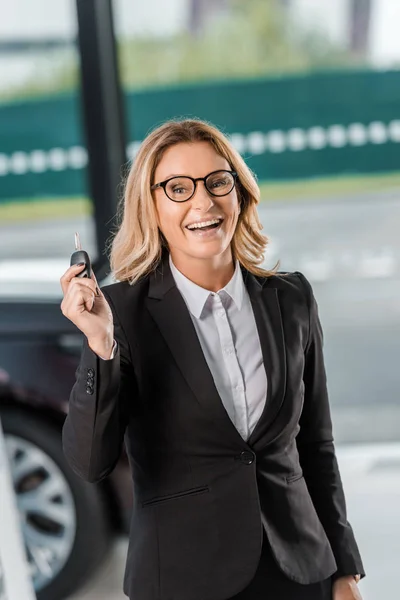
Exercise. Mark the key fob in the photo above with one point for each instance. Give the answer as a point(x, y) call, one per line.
point(80, 256)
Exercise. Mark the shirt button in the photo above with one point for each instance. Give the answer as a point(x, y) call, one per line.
point(220, 313)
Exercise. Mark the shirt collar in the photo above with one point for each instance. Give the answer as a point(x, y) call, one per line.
point(196, 296)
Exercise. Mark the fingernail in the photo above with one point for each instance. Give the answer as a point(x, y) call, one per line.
point(79, 264)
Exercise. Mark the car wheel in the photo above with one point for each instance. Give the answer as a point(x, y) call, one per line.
point(64, 520)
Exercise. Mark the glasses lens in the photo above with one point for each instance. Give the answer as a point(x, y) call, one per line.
point(220, 183)
point(180, 189)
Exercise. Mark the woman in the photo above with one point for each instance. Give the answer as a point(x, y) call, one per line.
point(213, 370)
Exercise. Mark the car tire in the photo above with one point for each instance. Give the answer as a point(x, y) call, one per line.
point(92, 531)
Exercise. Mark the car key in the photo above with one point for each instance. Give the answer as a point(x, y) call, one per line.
point(80, 256)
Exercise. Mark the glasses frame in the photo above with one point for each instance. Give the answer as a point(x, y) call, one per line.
point(163, 184)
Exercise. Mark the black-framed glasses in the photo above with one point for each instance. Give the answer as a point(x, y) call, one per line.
point(182, 188)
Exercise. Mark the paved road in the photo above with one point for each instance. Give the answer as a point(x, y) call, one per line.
point(348, 247)
point(350, 236)
point(371, 477)
point(343, 238)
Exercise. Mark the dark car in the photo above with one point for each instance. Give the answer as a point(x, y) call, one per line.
point(67, 523)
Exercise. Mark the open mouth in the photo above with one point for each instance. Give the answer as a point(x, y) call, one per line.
point(205, 226)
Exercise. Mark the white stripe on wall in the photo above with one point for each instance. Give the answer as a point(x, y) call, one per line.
point(255, 143)
point(40, 161)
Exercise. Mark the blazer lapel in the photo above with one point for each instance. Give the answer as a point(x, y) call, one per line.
point(268, 319)
point(169, 311)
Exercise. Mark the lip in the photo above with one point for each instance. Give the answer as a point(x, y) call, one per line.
point(203, 220)
point(206, 234)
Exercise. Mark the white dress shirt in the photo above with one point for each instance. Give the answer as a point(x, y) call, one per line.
point(227, 332)
point(113, 351)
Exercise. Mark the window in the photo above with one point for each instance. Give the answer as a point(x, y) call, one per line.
point(43, 187)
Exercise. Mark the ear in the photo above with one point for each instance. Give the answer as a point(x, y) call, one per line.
point(239, 196)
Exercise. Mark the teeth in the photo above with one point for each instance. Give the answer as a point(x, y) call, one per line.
point(203, 224)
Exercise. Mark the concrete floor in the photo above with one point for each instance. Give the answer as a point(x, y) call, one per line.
point(371, 478)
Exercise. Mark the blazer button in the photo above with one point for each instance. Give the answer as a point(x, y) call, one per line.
point(247, 457)
point(90, 372)
point(89, 389)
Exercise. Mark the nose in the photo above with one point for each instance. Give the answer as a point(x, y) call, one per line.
point(202, 200)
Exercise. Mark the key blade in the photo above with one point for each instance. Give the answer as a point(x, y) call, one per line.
point(77, 242)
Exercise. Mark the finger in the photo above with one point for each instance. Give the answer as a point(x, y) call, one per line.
point(80, 302)
point(77, 282)
point(69, 275)
point(89, 302)
point(72, 305)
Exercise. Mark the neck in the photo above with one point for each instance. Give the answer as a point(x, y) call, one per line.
point(211, 274)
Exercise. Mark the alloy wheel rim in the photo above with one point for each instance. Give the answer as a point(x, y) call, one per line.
point(46, 507)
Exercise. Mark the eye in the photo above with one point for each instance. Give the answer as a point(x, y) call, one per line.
point(180, 186)
point(179, 189)
point(220, 182)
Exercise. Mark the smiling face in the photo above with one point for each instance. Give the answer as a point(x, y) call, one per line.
point(180, 221)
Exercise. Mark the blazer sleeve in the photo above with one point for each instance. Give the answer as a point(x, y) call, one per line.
point(316, 449)
point(99, 402)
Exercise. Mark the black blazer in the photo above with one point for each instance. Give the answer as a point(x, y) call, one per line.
point(201, 493)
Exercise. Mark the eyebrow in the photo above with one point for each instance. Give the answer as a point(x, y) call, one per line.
point(182, 175)
point(174, 175)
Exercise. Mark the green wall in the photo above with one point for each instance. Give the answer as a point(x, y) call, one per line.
point(305, 126)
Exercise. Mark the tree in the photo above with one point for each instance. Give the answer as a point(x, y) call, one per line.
point(224, 39)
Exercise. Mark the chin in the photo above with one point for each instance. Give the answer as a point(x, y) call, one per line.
point(207, 251)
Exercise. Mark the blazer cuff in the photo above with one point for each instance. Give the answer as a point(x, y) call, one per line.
point(348, 561)
point(338, 574)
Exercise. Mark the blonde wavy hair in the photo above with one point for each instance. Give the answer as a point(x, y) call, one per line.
point(137, 246)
